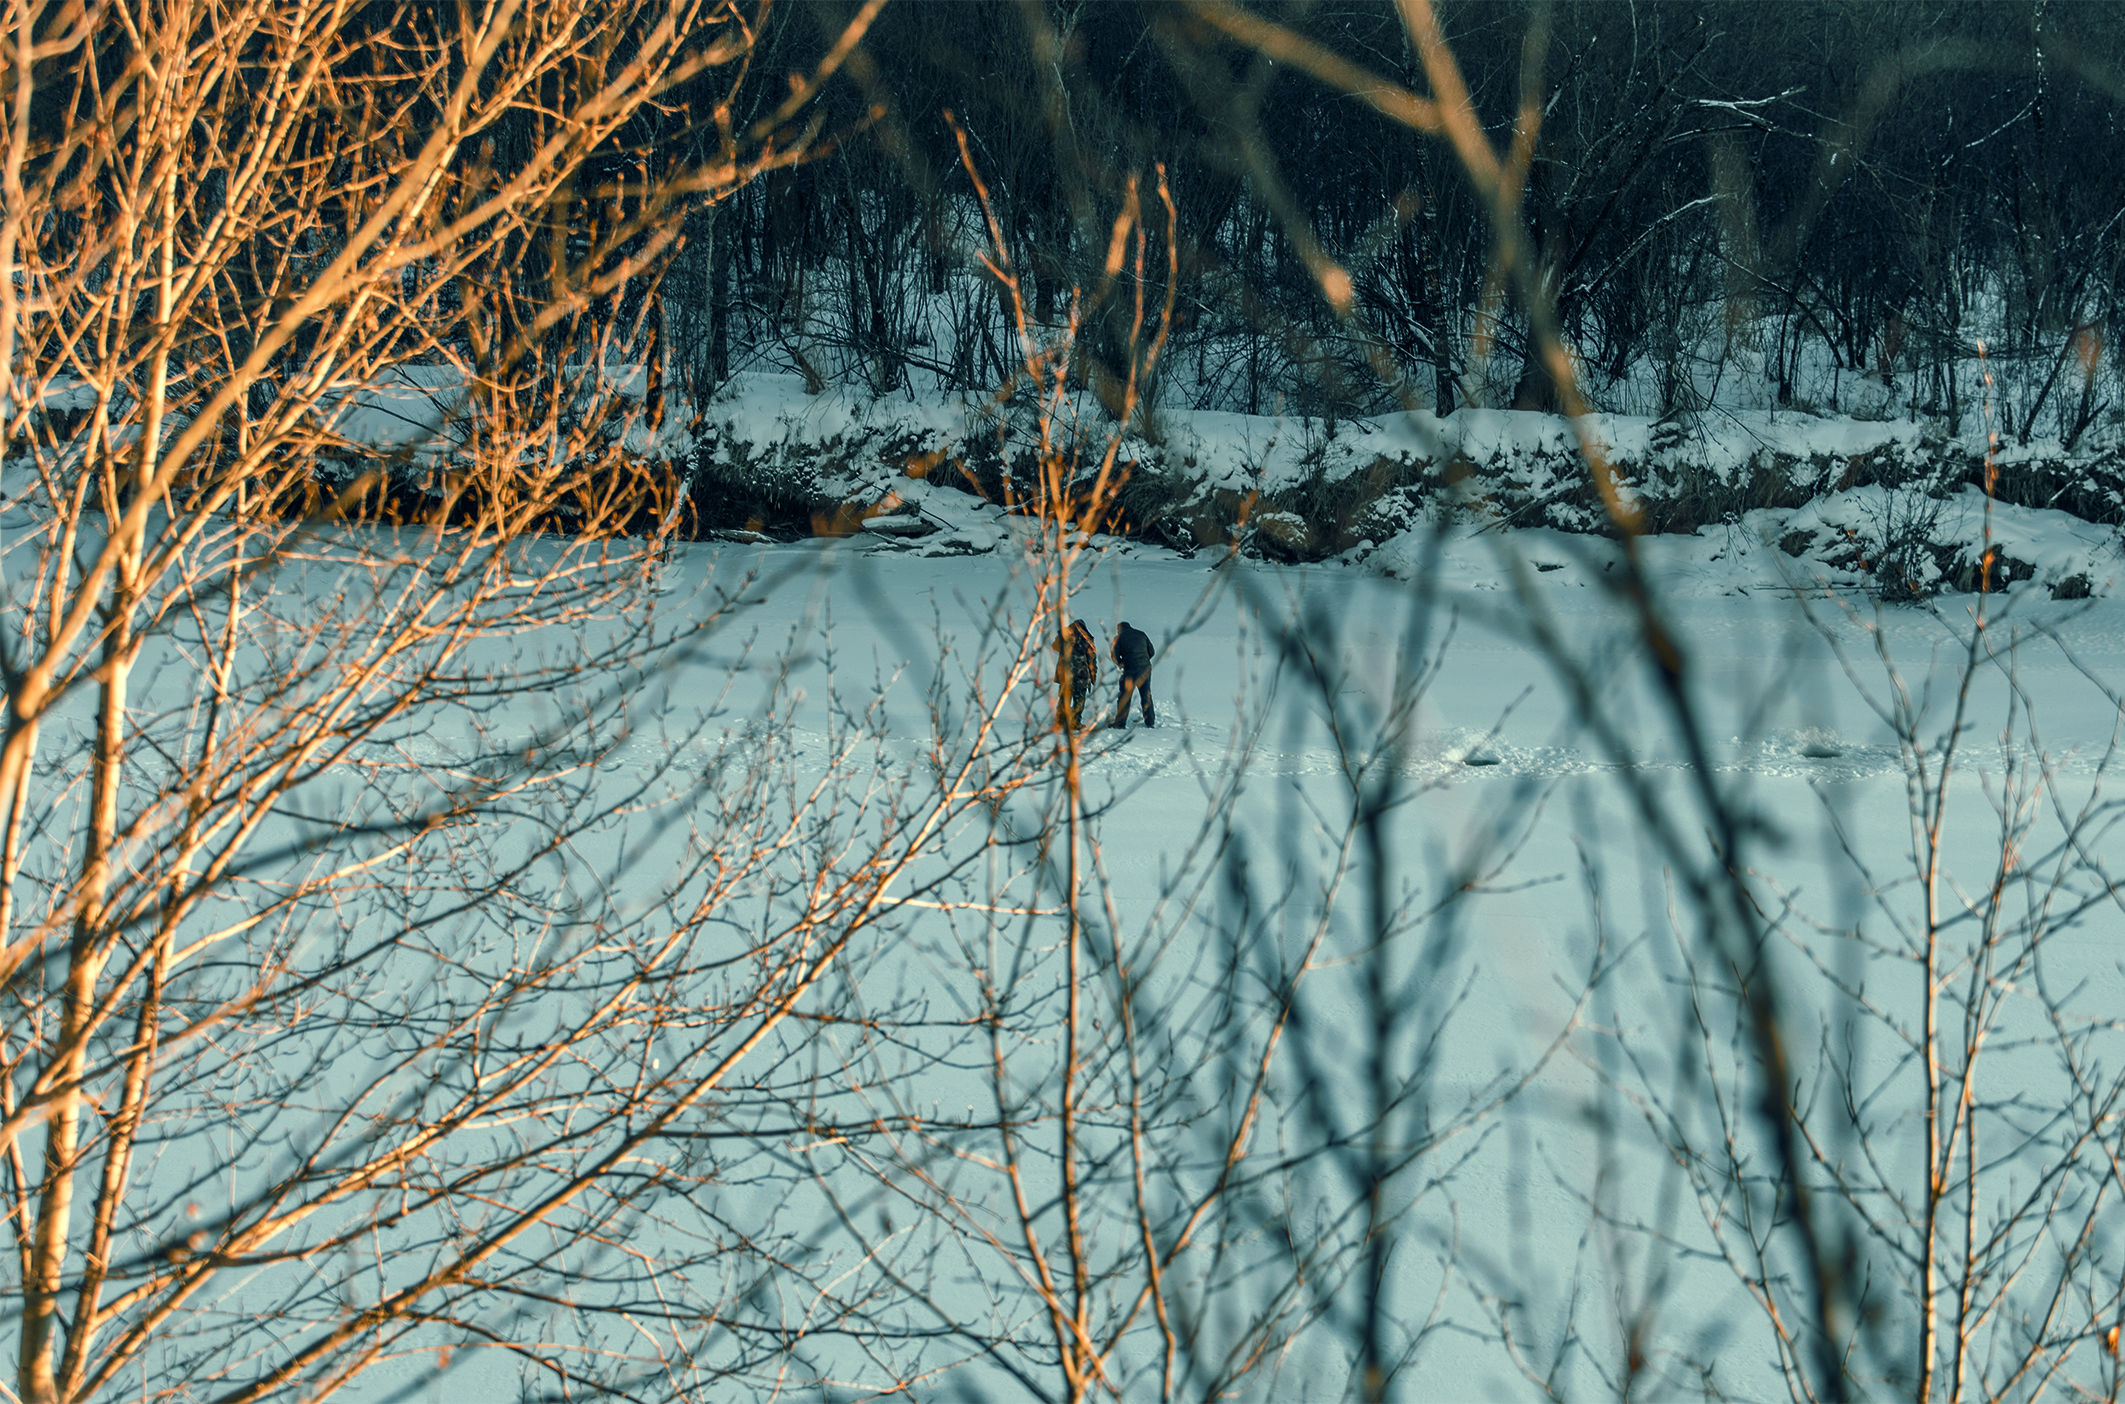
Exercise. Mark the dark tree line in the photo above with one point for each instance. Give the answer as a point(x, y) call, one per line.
point(1798, 197)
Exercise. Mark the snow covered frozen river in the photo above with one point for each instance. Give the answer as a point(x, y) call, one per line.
point(1428, 958)
point(1585, 1228)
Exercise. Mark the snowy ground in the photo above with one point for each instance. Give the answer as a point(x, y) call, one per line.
point(1788, 666)
point(1783, 669)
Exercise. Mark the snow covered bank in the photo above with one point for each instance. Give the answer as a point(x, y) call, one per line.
point(1872, 502)
point(1887, 504)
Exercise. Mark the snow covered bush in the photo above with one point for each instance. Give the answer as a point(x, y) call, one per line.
point(1899, 544)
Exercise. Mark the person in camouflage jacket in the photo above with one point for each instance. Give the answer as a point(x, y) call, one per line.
point(1076, 672)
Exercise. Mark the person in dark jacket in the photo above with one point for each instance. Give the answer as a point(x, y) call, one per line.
point(1076, 671)
point(1132, 654)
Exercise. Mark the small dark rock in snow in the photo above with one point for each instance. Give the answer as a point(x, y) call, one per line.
point(1821, 750)
point(1480, 757)
point(899, 526)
